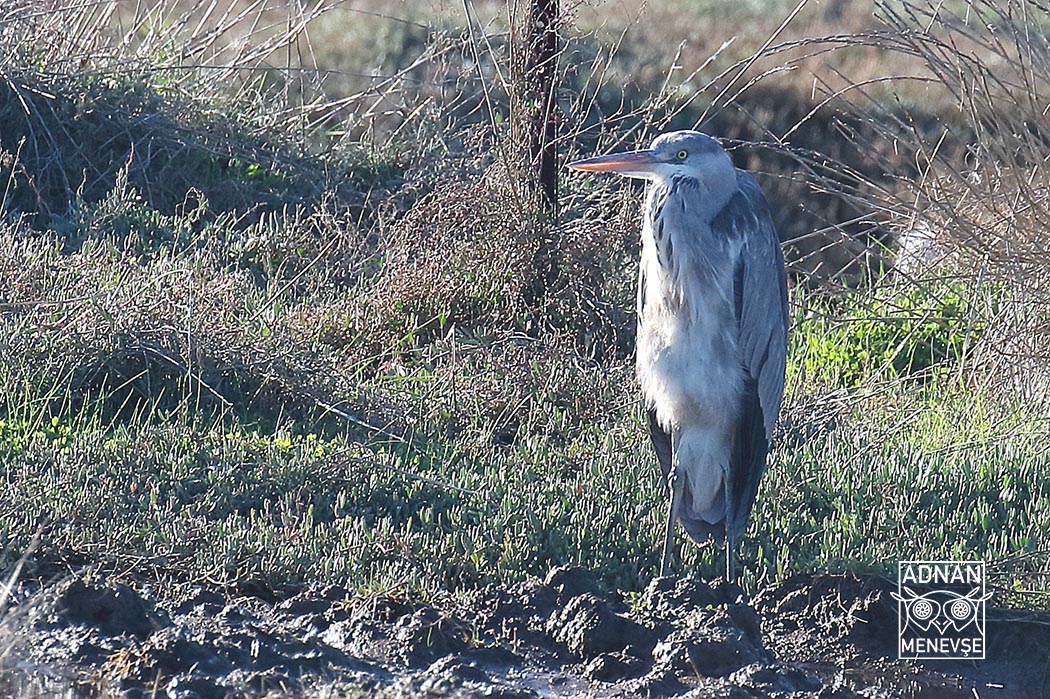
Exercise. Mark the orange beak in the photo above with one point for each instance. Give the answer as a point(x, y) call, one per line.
point(631, 162)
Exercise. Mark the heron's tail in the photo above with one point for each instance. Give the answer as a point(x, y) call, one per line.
point(701, 518)
point(701, 531)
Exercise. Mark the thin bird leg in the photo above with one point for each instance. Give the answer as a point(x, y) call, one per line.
point(730, 536)
point(674, 487)
point(730, 558)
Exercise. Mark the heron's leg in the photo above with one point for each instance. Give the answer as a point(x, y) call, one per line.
point(730, 536)
point(674, 487)
point(730, 558)
point(672, 513)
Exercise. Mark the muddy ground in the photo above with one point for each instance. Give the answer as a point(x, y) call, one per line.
point(826, 637)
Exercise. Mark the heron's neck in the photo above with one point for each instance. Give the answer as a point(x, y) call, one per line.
point(707, 191)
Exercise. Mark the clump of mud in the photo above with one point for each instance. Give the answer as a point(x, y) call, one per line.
point(828, 637)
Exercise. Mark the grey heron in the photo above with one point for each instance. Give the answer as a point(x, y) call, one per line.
point(711, 348)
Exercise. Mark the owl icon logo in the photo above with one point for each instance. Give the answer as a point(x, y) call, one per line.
point(941, 606)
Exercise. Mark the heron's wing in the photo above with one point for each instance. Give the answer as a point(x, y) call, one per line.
point(760, 295)
point(661, 442)
point(760, 286)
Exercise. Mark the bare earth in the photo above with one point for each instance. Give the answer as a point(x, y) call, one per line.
point(828, 636)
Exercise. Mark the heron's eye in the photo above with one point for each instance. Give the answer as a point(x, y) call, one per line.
point(682, 154)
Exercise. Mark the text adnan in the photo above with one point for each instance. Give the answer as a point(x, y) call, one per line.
point(941, 573)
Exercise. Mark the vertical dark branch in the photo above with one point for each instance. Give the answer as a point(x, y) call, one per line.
point(534, 126)
point(542, 69)
point(538, 83)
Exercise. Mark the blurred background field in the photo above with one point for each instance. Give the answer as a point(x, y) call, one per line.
point(277, 307)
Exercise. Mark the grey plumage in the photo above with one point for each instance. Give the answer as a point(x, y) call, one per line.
point(712, 329)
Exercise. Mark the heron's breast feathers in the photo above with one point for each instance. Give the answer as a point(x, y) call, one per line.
point(687, 346)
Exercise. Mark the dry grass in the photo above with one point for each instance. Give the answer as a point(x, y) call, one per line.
point(195, 104)
point(979, 203)
point(430, 234)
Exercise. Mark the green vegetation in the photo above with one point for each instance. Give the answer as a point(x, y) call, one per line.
point(883, 334)
point(853, 485)
point(253, 336)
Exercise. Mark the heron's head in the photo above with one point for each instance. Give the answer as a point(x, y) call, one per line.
point(682, 153)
